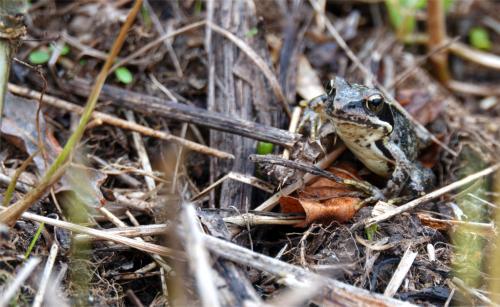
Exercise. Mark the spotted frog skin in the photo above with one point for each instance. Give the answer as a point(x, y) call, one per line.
point(377, 133)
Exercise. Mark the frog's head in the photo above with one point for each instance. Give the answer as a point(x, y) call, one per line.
point(357, 110)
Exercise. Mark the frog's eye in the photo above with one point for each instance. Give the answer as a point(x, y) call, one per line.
point(330, 87)
point(375, 103)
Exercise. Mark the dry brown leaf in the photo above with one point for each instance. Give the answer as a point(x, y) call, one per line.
point(308, 82)
point(420, 104)
point(324, 200)
point(428, 221)
point(19, 128)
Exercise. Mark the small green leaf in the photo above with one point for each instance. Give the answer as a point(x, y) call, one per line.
point(479, 38)
point(447, 5)
point(39, 57)
point(124, 75)
point(146, 17)
point(402, 15)
point(34, 240)
point(198, 6)
point(421, 4)
point(64, 49)
point(264, 148)
point(252, 32)
point(370, 231)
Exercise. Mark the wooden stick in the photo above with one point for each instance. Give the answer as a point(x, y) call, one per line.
point(271, 202)
point(186, 113)
point(117, 122)
point(37, 302)
point(143, 246)
point(341, 293)
point(412, 204)
point(198, 257)
point(400, 273)
point(130, 231)
point(436, 29)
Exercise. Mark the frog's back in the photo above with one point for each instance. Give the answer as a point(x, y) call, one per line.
point(404, 135)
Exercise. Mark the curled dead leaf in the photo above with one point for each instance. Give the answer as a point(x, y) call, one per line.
point(324, 200)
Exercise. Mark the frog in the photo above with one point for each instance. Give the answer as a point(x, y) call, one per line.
point(378, 134)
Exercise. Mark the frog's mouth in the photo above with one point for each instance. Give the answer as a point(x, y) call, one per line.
point(362, 122)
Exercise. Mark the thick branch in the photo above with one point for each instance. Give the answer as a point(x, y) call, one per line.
point(159, 107)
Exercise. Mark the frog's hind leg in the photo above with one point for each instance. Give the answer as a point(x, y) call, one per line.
point(422, 180)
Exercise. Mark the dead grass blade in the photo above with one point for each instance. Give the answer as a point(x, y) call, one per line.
point(143, 246)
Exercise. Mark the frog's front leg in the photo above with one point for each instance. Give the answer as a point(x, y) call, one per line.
point(401, 173)
point(397, 181)
point(312, 116)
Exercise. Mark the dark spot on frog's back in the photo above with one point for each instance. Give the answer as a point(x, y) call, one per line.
point(380, 145)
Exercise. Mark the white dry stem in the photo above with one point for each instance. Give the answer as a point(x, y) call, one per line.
point(46, 275)
point(400, 273)
point(14, 286)
point(141, 152)
point(412, 204)
point(198, 258)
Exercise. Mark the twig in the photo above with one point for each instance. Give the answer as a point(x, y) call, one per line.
point(13, 183)
point(198, 257)
point(14, 286)
point(130, 231)
point(400, 273)
point(482, 58)
point(482, 229)
point(181, 112)
point(485, 59)
point(118, 122)
point(166, 42)
point(364, 186)
point(418, 62)
point(115, 220)
point(253, 181)
point(141, 152)
point(125, 178)
point(436, 29)
point(259, 62)
point(85, 50)
point(155, 43)
point(473, 89)
point(133, 298)
point(341, 293)
point(143, 246)
point(37, 302)
point(412, 204)
point(271, 202)
point(11, 214)
point(292, 127)
point(251, 219)
point(178, 160)
point(20, 186)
